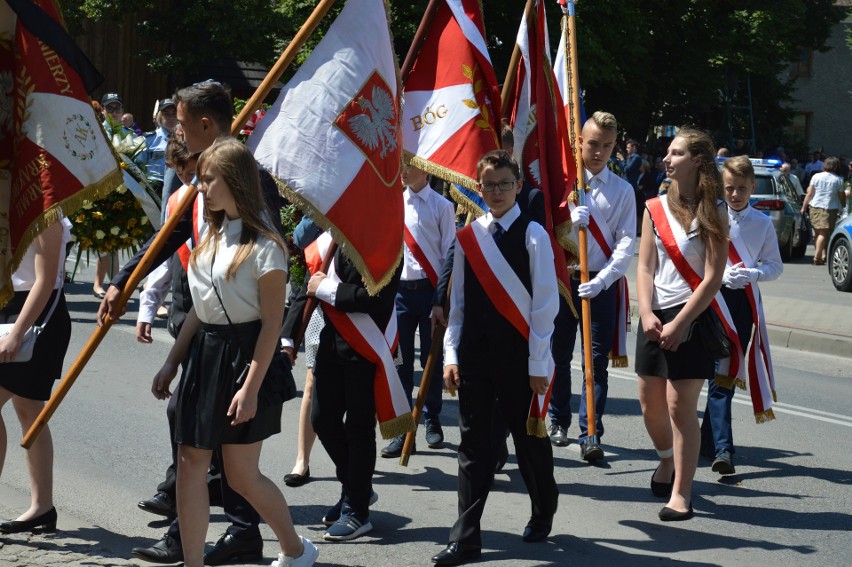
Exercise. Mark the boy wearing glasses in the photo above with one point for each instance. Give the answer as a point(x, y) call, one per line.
point(497, 351)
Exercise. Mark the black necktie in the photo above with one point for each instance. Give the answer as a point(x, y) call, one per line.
point(498, 232)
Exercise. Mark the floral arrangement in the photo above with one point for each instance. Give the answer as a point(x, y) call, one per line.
point(111, 224)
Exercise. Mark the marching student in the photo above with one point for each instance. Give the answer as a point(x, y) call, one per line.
point(681, 263)
point(429, 233)
point(610, 212)
point(497, 351)
point(237, 277)
point(753, 257)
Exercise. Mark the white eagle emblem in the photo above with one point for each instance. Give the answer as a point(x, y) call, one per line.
point(376, 126)
point(535, 170)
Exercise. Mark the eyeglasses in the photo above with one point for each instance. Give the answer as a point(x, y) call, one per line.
point(113, 108)
point(500, 187)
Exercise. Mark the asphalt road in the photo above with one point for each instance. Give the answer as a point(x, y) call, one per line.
point(788, 503)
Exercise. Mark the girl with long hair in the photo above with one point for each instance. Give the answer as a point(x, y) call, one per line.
point(237, 278)
point(682, 231)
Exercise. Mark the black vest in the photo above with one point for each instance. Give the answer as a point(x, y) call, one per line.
point(483, 325)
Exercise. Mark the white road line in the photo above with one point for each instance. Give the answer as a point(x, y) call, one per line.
point(817, 415)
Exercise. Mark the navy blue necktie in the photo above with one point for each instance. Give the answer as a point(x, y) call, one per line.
point(498, 232)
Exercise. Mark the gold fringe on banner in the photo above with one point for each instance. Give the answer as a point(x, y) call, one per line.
point(466, 204)
point(397, 426)
point(439, 171)
point(618, 361)
point(729, 382)
point(774, 396)
point(48, 218)
point(373, 286)
point(536, 427)
point(764, 416)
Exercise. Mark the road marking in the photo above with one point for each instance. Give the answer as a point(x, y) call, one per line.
point(817, 415)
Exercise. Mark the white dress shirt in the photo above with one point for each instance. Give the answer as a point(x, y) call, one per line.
point(155, 292)
point(545, 293)
point(758, 233)
point(434, 221)
point(616, 201)
point(827, 186)
point(241, 293)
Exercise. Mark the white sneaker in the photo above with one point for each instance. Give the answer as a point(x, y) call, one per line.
point(306, 559)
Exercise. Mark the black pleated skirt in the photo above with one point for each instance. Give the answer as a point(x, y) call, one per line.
point(34, 379)
point(690, 360)
point(208, 386)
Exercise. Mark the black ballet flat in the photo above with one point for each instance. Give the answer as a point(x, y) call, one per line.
point(669, 515)
point(661, 489)
point(44, 523)
point(295, 479)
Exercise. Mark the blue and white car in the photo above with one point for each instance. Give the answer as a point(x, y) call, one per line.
point(839, 253)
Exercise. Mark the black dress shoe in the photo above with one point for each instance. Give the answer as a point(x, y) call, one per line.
point(231, 549)
point(537, 530)
point(434, 433)
point(167, 550)
point(670, 515)
point(394, 448)
point(591, 452)
point(44, 523)
point(161, 504)
point(457, 553)
point(661, 489)
point(296, 479)
point(558, 435)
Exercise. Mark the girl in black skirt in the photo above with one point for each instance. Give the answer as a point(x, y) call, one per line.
point(38, 288)
point(237, 277)
point(682, 231)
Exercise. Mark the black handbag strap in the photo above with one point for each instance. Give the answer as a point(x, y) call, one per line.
point(222, 303)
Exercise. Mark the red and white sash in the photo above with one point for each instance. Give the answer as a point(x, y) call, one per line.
point(672, 236)
point(601, 245)
point(425, 257)
point(365, 337)
point(197, 221)
point(761, 377)
point(511, 299)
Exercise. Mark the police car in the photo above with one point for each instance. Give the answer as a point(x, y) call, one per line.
point(775, 197)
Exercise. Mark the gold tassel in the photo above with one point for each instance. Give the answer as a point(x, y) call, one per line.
point(619, 361)
point(536, 427)
point(774, 396)
point(440, 171)
point(397, 426)
point(726, 382)
point(764, 416)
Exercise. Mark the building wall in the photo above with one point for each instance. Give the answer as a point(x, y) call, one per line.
point(827, 95)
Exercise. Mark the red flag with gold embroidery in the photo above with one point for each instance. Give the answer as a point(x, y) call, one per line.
point(53, 152)
point(451, 116)
point(333, 140)
point(537, 119)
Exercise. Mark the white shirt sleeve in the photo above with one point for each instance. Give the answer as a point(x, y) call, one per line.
point(768, 257)
point(327, 291)
point(545, 298)
point(159, 282)
point(456, 318)
point(624, 222)
point(447, 225)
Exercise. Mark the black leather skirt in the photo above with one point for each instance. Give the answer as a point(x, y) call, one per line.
point(208, 386)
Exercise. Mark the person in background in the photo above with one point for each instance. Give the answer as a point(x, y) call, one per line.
point(38, 300)
point(826, 198)
point(113, 106)
point(156, 141)
point(128, 122)
point(794, 181)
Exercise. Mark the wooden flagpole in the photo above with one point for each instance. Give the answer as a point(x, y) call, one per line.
point(147, 260)
point(583, 234)
point(512, 71)
point(438, 333)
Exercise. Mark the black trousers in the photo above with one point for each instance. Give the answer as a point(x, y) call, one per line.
point(343, 414)
point(498, 379)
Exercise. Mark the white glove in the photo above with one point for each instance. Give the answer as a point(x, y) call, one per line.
point(735, 277)
point(591, 289)
point(580, 216)
point(753, 274)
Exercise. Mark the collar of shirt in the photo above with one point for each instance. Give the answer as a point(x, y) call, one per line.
point(231, 227)
point(738, 216)
point(505, 221)
point(422, 195)
point(602, 177)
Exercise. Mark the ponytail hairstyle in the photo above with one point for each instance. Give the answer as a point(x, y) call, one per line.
point(708, 189)
point(236, 164)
